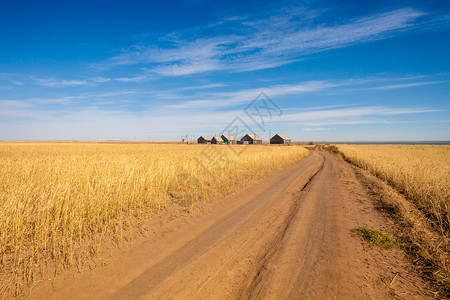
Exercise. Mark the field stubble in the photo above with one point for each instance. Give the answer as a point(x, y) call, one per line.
point(59, 202)
point(422, 175)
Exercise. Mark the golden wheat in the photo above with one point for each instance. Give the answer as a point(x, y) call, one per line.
point(421, 172)
point(59, 201)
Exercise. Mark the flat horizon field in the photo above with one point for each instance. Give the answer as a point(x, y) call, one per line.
point(67, 206)
point(186, 149)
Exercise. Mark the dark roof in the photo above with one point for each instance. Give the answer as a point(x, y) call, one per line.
point(254, 137)
point(205, 137)
point(229, 137)
point(283, 136)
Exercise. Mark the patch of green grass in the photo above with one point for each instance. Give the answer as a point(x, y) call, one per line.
point(375, 237)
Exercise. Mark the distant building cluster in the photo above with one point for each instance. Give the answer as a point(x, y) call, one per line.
point(248, 139)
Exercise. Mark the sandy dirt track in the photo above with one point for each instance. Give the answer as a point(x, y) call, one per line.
point(287, 237)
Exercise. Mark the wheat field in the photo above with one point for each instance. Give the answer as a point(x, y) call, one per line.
point(60, 201)
point(421, 172)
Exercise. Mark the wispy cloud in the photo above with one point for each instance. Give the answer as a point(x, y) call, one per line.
point(227, 99)
point(259, 45)
point(52, 82)
point(205, 86)
point(317, 129)
point(5, 104)
point(353, 112)
point(406, 85)
point(214, 100)
point(67, 100)
point(249, 43)
point(79, 101)
point(348, 122)
point(137, 78)
point(10, 78)
point(91, 122)
point(101, 79)
point(217, 95)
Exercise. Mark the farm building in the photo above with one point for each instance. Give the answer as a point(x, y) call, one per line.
point(216, 140)
point(252, 139)
point(204, 139)
point(280, 139)
point(229, 139)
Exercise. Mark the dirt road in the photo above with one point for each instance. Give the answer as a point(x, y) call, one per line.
point(287, 237)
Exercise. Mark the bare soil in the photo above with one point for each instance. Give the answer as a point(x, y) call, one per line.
point(288, 236)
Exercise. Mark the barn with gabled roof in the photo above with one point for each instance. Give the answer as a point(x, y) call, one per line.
point(204, 139)
point(251, 138)
point(229, 139)
point(217, 140)
point(281, 139)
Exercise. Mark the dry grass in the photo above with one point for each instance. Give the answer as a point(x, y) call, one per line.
point(59, 201)
point(422, 173)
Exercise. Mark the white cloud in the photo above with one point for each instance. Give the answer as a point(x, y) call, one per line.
point(227, 99)
point(10, 78)
point(186, 68)
point(214, 100)
point(101, 79)
point(317, 129)
point(406, 85)
point(204, 86)
point(163, 124)
point(348, 113)
point(205, 97)
point(5, 104)
point(261, 44)
point(52, 82)
point(132, 79)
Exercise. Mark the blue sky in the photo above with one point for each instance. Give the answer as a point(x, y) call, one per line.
point(129, 70)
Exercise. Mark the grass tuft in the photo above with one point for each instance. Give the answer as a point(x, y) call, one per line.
point(376, 238)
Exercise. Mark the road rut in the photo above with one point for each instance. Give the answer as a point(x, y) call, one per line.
point(288, 236)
